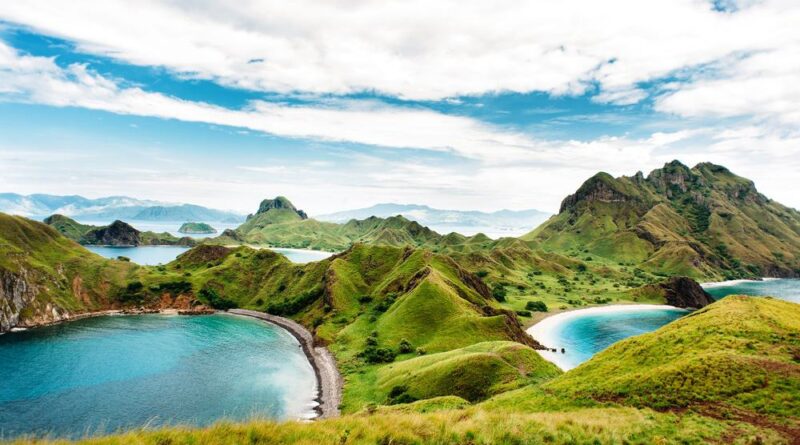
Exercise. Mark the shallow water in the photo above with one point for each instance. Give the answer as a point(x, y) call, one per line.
point(582, 335)
point(784, 289)
point(303, 255)
point(108, 373)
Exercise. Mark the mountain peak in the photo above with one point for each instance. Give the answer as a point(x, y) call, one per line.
point(280, 202)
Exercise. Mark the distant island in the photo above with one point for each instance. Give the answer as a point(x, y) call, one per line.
point(196, 228)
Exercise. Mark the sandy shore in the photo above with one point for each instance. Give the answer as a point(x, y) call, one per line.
point(733, 282)
point(328, 378)
point(545, 330)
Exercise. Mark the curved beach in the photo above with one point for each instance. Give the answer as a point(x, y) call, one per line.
point(545, 331)
point(329, 380)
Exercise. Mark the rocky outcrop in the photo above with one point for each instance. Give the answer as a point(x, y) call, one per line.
point(280, 203)
point(601, 187)
point(117, 234)
point(684, 292)
point(19, 306)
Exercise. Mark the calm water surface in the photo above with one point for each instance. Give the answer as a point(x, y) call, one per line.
point(154, 255)
point(583, 335)
point(109, 373)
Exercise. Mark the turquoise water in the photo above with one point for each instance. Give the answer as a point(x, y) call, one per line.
point(584, 335)
point(784, 289)
point(144, 255)
point(154, 255)
point(108, 373)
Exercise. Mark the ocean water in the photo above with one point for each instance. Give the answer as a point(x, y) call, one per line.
point(154, 255)
point(584, 333)
point(784, 289)
point(144, 255)
point(170, 227)
point(110, 373)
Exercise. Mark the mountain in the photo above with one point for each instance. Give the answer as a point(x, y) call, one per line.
point(109, 208)
point(704, 222)
point(447, 220)
point(118, 233)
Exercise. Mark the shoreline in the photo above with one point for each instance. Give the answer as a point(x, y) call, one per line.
point(543, 330)
point(713, 284)
point(329, 381)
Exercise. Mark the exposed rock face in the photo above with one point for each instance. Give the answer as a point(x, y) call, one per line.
point(117, 234)
point(280, 203)
point(18, 304)
point(685, 292)
point(600, 187)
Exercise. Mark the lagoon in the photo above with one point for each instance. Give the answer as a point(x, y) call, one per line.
point(117, 372)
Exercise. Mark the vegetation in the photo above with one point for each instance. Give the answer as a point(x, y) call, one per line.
point(116, 233)
point(196, 227)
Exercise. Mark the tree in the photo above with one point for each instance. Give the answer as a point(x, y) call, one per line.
point(536, 306)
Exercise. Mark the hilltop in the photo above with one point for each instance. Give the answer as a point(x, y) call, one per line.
point(704, 222)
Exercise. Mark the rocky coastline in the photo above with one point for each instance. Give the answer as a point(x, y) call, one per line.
point(329, 381)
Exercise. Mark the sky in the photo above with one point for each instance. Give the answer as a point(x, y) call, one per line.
point(343, 104)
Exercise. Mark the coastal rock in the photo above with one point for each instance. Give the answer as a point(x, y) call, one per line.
point(684, 292)
point(118, 233)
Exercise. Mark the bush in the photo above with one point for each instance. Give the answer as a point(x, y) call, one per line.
point(374, 354)
point(405, 346)
point(524, 313)
point(124, 258)
point(386, 303)
point(364, 299)
point(482, 273)
point(421, 351)
point(499, 292)
point(536, 306)
point(293, 305)
point(215, 300)
point(399, 394)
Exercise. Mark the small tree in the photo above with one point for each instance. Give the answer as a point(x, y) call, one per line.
point(405, 346)
point(499, 292)
point(536, 306)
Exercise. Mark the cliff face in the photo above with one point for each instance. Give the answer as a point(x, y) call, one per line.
point(19, 305)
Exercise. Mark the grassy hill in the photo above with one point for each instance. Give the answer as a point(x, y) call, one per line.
point(703, 222)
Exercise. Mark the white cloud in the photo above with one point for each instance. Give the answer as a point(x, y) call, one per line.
point(416, 49)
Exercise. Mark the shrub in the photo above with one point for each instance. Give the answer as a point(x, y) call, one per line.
point(124, 258)
point(215, 300)
point(499, 292)
point(293, 305)
point(536, 306)
point(482, 273)
point(524, 313)
point(399, 394)
point(364, 299)
point(386, 303)
point(405, 346)
point(421, 351)
point(374, 354)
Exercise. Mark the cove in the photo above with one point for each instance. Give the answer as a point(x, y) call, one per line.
point(111, 373)
point(585, 332)
point(784, 289)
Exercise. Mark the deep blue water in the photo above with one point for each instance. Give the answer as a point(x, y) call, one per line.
point(788, 290)
point(109, 373)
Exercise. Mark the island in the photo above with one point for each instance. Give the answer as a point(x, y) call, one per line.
point(196, 228)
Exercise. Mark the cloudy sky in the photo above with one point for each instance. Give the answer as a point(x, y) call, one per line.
point(347, 103)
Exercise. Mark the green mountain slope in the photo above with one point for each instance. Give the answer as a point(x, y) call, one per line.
point(702, 222)
point(116, 233)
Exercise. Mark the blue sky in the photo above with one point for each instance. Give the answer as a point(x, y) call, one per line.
point(339, 107)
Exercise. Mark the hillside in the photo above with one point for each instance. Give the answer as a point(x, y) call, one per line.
point(196, 228)
point(117, 233)
point(279, 223)
point(704, 222)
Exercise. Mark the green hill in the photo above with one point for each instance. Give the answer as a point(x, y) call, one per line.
point(116, 233)
point(196, 227)
point(703, 222)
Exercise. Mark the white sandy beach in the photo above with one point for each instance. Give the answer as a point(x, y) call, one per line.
point(713, 284)
point(545, 331)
